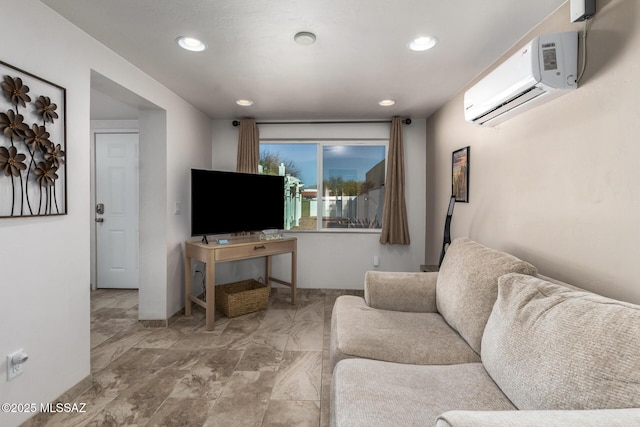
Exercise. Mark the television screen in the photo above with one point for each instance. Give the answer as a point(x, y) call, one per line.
point(232, 202)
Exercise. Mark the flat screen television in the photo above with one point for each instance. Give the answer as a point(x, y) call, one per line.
point(233, 202)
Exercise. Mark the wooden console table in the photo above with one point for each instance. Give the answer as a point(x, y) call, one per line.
point(213, 253)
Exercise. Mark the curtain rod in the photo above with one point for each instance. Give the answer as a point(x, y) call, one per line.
point(405, 121)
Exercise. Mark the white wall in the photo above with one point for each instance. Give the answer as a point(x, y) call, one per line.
point(152, 294)
point(337, 260)
point(557, 185)
point(45, 261)
point(188, 147)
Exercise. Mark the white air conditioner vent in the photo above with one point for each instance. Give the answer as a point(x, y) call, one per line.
point(542, 70)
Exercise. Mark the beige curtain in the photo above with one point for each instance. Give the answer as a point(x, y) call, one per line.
point(395, 228)
point(248, 147)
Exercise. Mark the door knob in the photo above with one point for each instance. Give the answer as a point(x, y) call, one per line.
point(99, 219)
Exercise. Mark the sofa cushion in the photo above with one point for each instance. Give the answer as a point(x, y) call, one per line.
point(401, 291)
point(358, 330)
point(551, 347)
point(569, 418)
point(374, 393)
point(468, 286)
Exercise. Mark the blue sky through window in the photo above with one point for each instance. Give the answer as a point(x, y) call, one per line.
point(351, 162)
point(304, 156)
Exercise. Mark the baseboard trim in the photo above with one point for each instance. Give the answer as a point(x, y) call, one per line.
point(69, 396)
point(162, 323)
point(154, 323)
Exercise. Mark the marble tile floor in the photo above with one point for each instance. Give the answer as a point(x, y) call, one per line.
point(269, 368)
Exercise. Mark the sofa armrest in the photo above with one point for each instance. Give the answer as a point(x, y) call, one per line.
point(412, 292)
point(565, 418)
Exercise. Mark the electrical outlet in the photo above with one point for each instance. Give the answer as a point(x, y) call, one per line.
point(196, 266)
point(15, 363)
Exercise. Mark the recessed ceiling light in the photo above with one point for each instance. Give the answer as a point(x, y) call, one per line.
point(423, 43)
point(244, 102)
point(387, 102)
point(305, 38)
point(190, 43)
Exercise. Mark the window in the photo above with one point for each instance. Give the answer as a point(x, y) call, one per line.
point(329, 185)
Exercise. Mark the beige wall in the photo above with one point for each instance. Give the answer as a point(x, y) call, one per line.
point(558, 185)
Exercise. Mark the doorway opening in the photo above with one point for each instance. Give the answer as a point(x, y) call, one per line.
point(124, 131)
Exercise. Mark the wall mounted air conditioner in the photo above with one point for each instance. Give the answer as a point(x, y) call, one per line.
point(542, 70)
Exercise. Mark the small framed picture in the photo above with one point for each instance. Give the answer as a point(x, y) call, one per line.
point(460, 174)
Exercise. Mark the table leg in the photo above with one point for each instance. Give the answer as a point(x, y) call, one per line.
point(211, 295)
point(187, 285)
point(294, 263)
point(268, 270)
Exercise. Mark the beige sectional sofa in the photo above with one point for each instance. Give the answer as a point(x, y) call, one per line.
point(485, 341)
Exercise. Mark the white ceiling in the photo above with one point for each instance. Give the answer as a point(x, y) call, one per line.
point(359, 58)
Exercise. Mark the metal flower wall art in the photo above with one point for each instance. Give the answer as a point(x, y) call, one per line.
point(32, 145)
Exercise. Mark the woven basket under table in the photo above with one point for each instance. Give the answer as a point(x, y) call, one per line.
point(236, 299)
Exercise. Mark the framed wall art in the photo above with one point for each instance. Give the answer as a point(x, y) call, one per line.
point(460, 174)
point(33, 157)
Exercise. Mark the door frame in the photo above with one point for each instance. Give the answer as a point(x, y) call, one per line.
point(102, 126)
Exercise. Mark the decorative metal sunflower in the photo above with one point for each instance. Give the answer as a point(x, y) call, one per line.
point(46, 174)
point(12, 162)
point(15, 91)
point(12, 126)
point(37, 138)
point(54, 155)
point(45, 109)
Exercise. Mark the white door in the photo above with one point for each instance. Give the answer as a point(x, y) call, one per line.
point(117, 210)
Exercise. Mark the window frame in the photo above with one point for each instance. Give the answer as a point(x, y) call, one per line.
point(320, 143)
